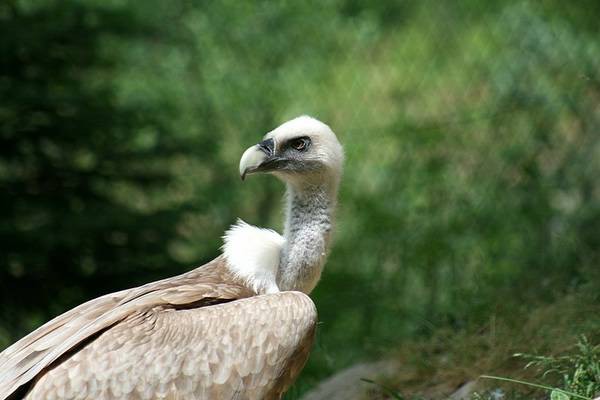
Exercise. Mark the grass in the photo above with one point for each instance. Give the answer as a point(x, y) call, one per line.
point(500, 352)
point(554, 391)
point(578, 372)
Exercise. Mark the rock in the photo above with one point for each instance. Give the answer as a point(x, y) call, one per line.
point(465, 391)
point(347, 384)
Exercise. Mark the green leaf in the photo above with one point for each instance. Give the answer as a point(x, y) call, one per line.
point(558, 395)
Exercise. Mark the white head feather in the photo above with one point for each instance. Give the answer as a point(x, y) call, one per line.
point(325, 148)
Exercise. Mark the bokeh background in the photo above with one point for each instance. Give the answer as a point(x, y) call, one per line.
point(471, 190)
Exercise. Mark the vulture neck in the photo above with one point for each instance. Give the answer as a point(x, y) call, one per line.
point(309, 222)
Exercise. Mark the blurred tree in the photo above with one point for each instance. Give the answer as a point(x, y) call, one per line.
point(65, 145)
point(471, 133)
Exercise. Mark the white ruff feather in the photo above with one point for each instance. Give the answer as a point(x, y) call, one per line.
point(253, 254)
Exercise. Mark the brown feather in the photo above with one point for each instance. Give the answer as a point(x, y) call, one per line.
point(185, 298)
point(247, 349)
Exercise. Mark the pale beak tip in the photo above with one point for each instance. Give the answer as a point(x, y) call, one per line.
point(252, 158)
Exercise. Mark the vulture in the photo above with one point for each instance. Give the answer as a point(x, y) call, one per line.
point(239, 327)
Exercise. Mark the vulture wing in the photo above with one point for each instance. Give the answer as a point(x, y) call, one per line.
point(248, 349)
point(161, 338)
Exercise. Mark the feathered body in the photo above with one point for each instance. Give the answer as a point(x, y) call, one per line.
point(239, 327)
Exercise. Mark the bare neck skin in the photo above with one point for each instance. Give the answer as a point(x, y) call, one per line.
point(309, 222)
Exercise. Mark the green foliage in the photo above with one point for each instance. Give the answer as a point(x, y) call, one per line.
point(67, 146)
point(579, 371)
point(578, 374)
point(558, 395)
point(555, 393)
point(470, 128)
point(468, 191)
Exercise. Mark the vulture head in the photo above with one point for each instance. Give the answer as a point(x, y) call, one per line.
point(301, 151)
point(306, 155)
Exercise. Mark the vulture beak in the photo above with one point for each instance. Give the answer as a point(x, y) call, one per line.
point(257, 158)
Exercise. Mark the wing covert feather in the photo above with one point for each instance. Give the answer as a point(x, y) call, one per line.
point(247, 349)
point(21, 362)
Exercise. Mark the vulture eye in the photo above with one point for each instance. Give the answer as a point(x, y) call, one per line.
point(300, 144)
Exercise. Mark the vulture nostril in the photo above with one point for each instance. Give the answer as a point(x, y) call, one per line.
point(267, 146)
